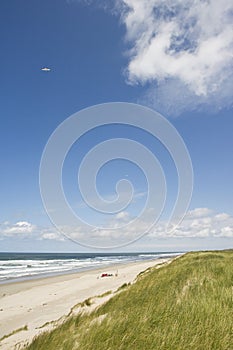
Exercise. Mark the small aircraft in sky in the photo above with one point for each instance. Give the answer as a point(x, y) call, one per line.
point(46, 69)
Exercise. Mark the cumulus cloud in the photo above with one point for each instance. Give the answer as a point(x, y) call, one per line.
point(49, 234)
point(200, 223)
point(199, 213)
point(182, 49)
point(25, 229)
point(19, 228)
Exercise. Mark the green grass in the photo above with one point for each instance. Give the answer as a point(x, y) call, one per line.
point(187, 304)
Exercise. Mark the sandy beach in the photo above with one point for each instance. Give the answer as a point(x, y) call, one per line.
point(33, 303)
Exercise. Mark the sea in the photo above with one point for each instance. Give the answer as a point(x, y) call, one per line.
point(23, 266)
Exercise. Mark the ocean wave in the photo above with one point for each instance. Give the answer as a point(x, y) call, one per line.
point(32, 265)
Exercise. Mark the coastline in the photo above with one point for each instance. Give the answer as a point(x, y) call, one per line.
point(17, 267)
point(35, 302)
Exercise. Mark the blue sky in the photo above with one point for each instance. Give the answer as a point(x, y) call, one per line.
point(106, 54)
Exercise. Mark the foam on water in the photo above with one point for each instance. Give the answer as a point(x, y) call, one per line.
point(14, 266)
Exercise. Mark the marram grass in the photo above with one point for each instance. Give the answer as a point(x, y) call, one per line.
point(187, 304)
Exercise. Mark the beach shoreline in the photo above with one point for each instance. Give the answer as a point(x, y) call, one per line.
point(33, 303)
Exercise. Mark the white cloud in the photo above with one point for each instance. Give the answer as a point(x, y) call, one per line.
point(200, 222)
point(183, 49)
point(123, 215)
point(198, 213)
point(51, 235)
point(19, 228)
point(46, 69)
point(22, 229)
